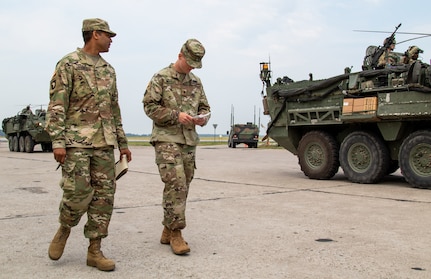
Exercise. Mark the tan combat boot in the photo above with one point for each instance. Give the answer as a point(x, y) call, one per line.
point(56, 247)
point(166, 236)
point(95, 257)
point(178, 245)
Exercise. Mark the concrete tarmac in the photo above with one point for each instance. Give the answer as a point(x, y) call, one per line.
point(251, 213)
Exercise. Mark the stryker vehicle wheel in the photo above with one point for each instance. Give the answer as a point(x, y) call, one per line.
point(15, 144)
point(231, 144)
point(364, 157)
point(415, 159)
point(10, 142)
point(318, 155)
point(29, 144)
point(21, 143)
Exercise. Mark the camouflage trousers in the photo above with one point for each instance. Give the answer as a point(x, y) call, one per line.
point(88, 184)
point(176, 164)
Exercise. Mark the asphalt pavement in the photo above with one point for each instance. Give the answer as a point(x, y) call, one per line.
point(251, 213)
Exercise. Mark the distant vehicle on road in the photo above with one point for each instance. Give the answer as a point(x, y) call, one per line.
point(244, 133)
point(25, 130)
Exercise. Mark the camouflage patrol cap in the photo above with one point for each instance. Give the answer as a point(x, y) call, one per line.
point(193, 51)
point(414, 50)
point(97, 24)
point(393, 41)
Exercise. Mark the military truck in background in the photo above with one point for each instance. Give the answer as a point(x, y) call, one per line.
point(244, 133)
point(25, 130)
point(370, 122)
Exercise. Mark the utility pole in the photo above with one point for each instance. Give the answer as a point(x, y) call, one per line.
point(215, 127)
point(232, 115)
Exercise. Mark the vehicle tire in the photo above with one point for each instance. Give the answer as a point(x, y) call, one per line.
point(10, 142)
point(15, 144)
point(21, 141)
point(29, 144)
point(364, 157)
point(415, 159)
point(318, 155)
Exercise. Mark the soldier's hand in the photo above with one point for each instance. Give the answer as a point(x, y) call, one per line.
point(59, 154)
point(200, 121)
point(126, 151)
point(185, 119)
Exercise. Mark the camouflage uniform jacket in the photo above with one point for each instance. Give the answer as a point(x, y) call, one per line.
point(83, 110)
point(169, 93)
point(388, 58)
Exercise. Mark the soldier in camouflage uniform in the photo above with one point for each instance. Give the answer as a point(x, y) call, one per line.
point(388, 58)
point(175, 100)
point(411, 55)
point(84, 122)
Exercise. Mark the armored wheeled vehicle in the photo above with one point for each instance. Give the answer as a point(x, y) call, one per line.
point(244, 133)
point(25, 130)
point(370, 122)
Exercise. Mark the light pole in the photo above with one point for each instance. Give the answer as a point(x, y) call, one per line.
point(215, 127)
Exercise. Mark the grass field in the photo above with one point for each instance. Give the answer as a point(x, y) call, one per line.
point(205, 141)
point(145, 141)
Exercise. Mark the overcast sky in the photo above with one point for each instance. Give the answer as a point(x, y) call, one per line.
point(298, 36)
